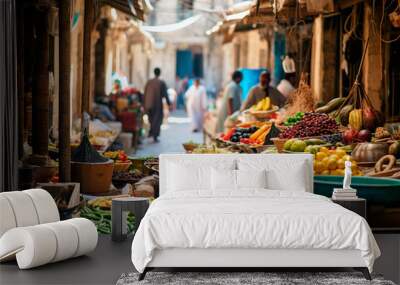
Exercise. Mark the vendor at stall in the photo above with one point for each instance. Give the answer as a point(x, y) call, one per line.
point(230, 101)
point(286, 86)
point(263, 90)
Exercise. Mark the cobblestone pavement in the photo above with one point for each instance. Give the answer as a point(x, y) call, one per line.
point(173, 134)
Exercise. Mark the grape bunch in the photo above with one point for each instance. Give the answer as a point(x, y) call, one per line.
point(312, 124)
point(332, 139)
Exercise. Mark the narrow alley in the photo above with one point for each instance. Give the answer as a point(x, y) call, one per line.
point(176, 130)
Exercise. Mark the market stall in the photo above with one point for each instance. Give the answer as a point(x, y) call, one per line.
point(341, 130)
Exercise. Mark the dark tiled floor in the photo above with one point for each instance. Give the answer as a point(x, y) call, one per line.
point(103, 266)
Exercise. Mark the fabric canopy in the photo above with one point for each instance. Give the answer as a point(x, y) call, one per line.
point(172, 27)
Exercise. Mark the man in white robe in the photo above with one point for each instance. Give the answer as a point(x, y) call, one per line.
point(196, 98)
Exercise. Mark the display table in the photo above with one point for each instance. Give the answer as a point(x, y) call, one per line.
point(358, 205)
point(119, 213)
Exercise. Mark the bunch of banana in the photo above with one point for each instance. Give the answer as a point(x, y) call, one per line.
point(263, 105)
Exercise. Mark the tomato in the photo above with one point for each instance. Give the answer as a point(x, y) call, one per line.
point(122, 156)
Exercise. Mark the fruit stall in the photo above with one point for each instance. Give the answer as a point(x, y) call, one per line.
point(343, 129)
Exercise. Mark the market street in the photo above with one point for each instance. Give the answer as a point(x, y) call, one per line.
point(177, 130)
point(168, 141)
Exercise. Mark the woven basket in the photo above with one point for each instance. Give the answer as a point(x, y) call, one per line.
point(263, 114)
point(189, 147)
point(122, 166)
point(279, 143)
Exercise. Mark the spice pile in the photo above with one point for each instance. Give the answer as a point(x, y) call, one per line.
point(301, 100)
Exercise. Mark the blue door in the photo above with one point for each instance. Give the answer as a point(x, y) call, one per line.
point(184, 63)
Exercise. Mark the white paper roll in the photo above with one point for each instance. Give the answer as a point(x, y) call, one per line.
point(23, 207)
point(87, 234)
point(67, 240)
point(45, 205)
point(34, 246)
point(7, 218)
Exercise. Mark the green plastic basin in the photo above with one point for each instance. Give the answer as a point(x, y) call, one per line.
point(383, 191)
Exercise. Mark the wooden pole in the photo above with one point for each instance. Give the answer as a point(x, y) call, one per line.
point(64, 95)
point(40, 90)
point(87, 46)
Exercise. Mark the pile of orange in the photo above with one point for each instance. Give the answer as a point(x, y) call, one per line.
point(331, 162)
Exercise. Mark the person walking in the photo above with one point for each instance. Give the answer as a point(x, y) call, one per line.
point(231, 100)
point(154, 92)
point(263, 90)
point(196, 98)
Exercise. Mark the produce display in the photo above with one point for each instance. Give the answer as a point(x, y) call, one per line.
point(121, 178)
point(309, 145)
point(356, 110)
point(120, 158)
point(331, 106)
point(248, 134)
point(117, 156)
point(333, 139)
point(353, 136)
point(312, 124)
point(190, 146)
point(294, 119)
point(133, 174)
point(331, 162)
point(209, 149)
point(263, 105)
point(102, 218)
point(343, 129)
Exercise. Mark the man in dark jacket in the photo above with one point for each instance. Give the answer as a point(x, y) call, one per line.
point(154, 92)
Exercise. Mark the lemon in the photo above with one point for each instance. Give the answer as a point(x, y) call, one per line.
point(340, 163)
point(340, 172)
point(319, 166)
point(340, 152)
point(332, 164)
point(320, 155)
point(346, 157)
point(325, 162)
point(325, 172)
point(333, 157)
point(324, 149)
point(334, 172)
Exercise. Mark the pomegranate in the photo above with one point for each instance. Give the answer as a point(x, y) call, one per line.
point(349, 136)
point(364, 136)
point(369, 118)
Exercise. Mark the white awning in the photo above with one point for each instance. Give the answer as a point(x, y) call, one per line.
point(172, 27)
